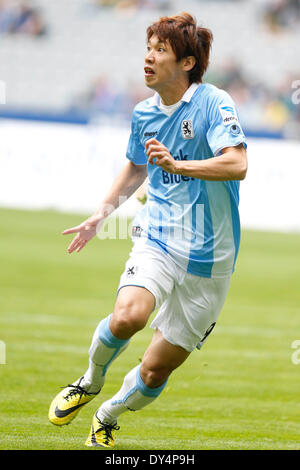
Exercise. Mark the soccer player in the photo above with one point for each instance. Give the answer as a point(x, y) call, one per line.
point(188, 140)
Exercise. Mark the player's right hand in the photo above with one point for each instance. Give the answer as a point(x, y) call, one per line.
point(85, 232)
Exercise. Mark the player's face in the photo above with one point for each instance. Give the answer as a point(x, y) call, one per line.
point(161, 67)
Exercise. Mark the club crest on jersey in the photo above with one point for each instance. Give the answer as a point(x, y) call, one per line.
point(187, 130)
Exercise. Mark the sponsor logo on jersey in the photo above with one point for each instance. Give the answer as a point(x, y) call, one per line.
point(187, 130)
point(228, 114)
point(170, 178)
point(151, 134)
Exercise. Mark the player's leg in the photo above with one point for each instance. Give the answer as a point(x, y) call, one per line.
point(183, 323)
point(145, 283)
point(111, 338)
point(160, 360)
point(131, 312)
point(190, 314)
point(141, 386)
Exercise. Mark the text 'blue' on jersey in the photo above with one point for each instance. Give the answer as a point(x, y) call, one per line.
point(195, 221)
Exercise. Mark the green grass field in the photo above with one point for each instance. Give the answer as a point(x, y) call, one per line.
point(240, 392)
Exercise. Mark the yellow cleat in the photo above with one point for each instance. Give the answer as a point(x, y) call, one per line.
point(67, 404)
point(101, 434)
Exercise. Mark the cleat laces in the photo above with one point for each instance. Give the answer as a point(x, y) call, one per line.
point(107, 428)
point(76, 390)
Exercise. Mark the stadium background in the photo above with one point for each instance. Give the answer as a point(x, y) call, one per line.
point(70, 74)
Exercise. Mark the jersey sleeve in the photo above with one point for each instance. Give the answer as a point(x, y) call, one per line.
point(135, 150)
point(224, 129)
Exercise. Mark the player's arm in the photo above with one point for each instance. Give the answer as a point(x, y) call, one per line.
point(125, 184)
point(232, 164)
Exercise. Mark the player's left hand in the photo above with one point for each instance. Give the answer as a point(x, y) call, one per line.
point(156, 150)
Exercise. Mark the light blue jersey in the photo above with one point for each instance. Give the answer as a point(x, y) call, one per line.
point(195, 221)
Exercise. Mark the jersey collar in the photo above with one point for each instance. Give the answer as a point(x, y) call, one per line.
point(155, 99)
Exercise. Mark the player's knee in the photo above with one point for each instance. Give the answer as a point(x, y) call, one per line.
point(129, 321)
point(154, 376)
point(128, 317)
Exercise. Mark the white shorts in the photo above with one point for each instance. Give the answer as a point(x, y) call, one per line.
point(189, 305)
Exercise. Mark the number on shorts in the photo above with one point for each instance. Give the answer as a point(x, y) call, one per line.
point(208, 331)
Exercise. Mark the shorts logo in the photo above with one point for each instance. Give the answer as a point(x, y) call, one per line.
point(131, 271)
point(187, 130)
point(136, 231)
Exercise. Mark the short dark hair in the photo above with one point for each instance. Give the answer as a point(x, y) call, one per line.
point(186, 39)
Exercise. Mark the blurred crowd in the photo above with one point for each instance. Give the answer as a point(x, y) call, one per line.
point(277, 14)
point(260, 107)
point(280, 15)
point(104, 97)
point(20, 17)
point(131, 4)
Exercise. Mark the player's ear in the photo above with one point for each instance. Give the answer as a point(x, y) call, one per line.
point(188, 63)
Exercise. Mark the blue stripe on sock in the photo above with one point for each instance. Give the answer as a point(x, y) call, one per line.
point(131, 391)
point(142, 388)
point(110, 360)
point(147, 391)
point(105, 335)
